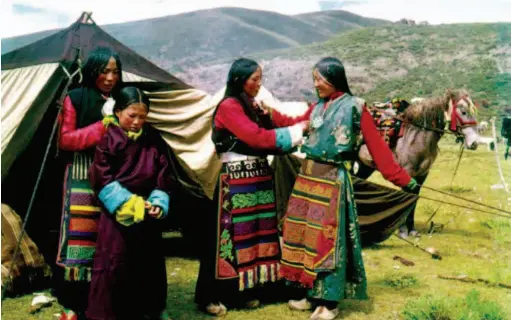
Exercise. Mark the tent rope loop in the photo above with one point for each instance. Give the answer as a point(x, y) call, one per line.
point(78, 71)
point(80, 65)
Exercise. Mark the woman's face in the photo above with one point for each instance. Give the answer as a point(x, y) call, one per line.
point(323, 88)
point(108, 77)
point(253, 84)
point(133, 117)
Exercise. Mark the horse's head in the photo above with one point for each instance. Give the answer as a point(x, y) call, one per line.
point(460, 110)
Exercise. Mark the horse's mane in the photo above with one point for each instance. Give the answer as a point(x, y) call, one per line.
point(428, 112)
point(431, 111)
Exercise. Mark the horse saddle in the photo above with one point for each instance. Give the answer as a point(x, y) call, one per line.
point(386, 119)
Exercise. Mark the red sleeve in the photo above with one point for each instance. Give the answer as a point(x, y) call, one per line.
point(381, 153)
point(230, 116)
point(72, 139)
point(280, 120)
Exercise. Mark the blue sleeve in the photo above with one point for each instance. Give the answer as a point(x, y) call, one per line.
point(160, 199)
point(283, 137)
point(113, 195)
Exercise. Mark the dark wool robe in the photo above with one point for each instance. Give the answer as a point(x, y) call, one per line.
point(128, 277)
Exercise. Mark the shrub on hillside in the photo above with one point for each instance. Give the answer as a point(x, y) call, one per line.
point(400, 281)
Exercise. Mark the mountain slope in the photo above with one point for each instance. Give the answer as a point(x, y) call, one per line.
point(200, 36)
point(392, 60)
point(180, 41)
point(13, 43)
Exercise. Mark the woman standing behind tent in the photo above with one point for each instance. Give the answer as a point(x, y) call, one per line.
point(322, 248)
point(241, 244)
point(80, 131)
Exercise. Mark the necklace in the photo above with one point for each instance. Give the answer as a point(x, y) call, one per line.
point(317, 120)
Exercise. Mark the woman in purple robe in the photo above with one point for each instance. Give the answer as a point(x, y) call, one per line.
point(131, 179)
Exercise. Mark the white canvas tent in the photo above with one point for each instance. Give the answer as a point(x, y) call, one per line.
point(36, 78)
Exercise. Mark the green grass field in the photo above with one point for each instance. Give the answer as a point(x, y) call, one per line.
point(473, 243)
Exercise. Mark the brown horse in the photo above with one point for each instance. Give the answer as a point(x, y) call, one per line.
point(417, 149)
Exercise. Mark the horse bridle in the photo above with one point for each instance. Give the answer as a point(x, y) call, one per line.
point(456, 119)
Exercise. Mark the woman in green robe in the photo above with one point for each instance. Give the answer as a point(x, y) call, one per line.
point(321, 239)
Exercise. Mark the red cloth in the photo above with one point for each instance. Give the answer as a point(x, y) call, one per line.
point(230, 116)
point(454, 120)
point(381, 153)
point(73, 139)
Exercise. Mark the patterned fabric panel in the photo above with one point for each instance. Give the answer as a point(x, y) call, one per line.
point(310, 229)
point(80, 217)
point(248, 244)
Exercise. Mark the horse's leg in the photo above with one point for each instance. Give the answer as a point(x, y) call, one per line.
point(410, 220)
point(408, 228)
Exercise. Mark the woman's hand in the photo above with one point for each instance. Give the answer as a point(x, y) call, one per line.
point(261, 108)
point(153, 211)
point(305, 126)
point(412, 186)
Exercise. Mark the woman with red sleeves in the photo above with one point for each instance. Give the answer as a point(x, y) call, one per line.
point(322, 250)
point(81, 129)
point(241, 250)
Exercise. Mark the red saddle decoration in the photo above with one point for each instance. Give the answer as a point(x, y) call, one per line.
point(385, 118)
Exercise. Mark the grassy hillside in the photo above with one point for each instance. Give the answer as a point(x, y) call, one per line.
point(392, 60)
point(473, 244)
point(180, 41)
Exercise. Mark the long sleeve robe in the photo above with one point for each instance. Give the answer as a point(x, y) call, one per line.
point(129, 277)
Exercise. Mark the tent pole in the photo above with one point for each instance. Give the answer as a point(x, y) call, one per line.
point(39, 176)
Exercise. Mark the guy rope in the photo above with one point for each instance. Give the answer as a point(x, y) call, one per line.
point(452, 180)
